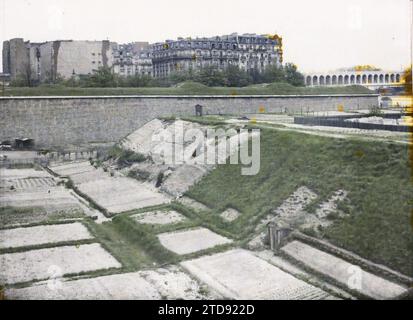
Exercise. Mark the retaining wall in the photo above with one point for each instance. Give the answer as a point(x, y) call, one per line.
point(60, 121)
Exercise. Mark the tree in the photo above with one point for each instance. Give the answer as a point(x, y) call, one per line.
point(181, 76)
point(407, 78)
point(273, 73)
point(236, 77)
point(102, 78)
point(210, 76)
point(138, 80)
point(292, 76)
point(256, 76)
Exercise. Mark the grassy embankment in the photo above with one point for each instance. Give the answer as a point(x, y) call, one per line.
point(376, 175)
point(186, 88)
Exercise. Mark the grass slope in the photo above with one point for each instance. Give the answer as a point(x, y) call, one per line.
point(376, 175)
point(187, 88)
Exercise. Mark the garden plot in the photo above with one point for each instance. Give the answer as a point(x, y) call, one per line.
point(51, 199)
point(173, 283)
point(159, 217)
point(32, 236)
point(115, 194)
point(190, 241)
point(342, 271)
point(67, 169)
point(238, 274)
point(122, 194)
point(23, 179)
point(22, 173)
point(28, 183)
point(168, 283)
point(41, 264)
point(80, 172)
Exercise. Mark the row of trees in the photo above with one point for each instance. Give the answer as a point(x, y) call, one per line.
point(233, 76)
point(211, 76)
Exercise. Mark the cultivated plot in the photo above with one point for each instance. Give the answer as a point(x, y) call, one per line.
point(238, 274)
point(54, 198)
point(341, 271)
point(190, 241)
point(122, 194)
point(40, 264)
point(38, 235)
point(115, 194)
point(166, 283)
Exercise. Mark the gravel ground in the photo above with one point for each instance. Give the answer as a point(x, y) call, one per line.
point(31, 236)
point(238, 274)
point(342, 271)
point(39, 264)
point(190, 241)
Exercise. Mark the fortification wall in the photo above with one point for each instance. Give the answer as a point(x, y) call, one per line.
point(60, 121)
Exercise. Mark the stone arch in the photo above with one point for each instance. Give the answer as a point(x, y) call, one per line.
point(352, 79)
point(398, 77)
point(308, 81)
point(364, 79)
point(375, 78)
point(340, 79)
point(321, 80)
point(328, 80)
point(392, 78)
point(334, 80)
point(370, 78)
point(381, 78)
point(346, 79)
point(358, 79)
point(315, 80)
point(386, 78)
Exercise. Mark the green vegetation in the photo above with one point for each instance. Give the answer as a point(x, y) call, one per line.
point(185, 88)
point(232, 76)
point(377, 176)
point(125, 157)
point(129, 252)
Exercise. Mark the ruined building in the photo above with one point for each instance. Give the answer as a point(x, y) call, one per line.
point(48, 61)
point(248, 51)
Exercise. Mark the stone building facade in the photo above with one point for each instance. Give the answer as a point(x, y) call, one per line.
point(248, 51)
point(52, 60)
point(132, 58)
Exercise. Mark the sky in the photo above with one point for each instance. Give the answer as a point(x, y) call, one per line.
point(318, 35)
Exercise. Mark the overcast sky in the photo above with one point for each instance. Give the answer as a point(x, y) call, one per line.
point(318, 35)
